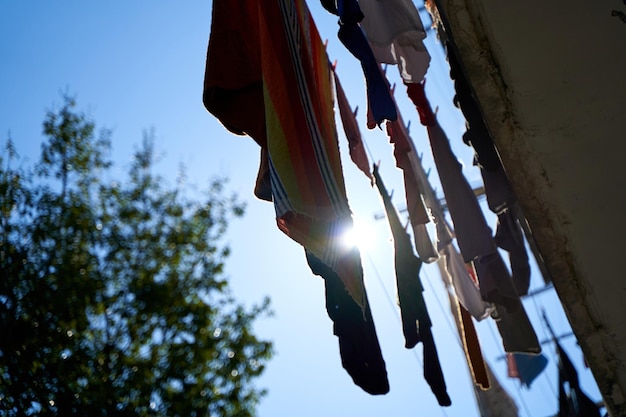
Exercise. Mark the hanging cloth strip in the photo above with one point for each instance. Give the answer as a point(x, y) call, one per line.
point(351, 130)
point(416, 324)
point(254, 52)
point(404, 154)
point(467, 333)
point(395, 33)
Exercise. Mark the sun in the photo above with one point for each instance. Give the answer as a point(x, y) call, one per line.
point(362, 234)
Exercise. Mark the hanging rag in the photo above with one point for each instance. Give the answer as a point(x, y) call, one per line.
point(358, 343)
point(254, 52)
point(416, 324)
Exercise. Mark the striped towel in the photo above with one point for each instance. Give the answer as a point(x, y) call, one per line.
point(267, 66)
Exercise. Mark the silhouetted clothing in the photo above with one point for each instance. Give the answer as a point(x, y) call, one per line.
point(416, 324)
point(358, 343)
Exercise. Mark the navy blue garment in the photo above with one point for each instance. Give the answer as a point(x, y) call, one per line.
point(352, 37)
point(360, 351)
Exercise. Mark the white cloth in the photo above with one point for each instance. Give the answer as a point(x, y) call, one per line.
point(395, 33)
point(454, 273)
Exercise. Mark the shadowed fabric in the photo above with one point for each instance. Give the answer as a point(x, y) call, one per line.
point(268, 76)
point(352, 131)
point(416, 324)
point(358, 343)
point(454, 273)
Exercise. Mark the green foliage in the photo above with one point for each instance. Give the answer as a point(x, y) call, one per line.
point(112, 295)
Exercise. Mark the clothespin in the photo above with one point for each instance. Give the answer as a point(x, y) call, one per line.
point(334, 63)
point(356, 109)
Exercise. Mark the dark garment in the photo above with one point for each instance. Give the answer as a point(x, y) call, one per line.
point(516, 331)
point(378, 96)
point(416, 322)
point(360, 352)
point(509, 236)
point(379, 99)
point(572, 402)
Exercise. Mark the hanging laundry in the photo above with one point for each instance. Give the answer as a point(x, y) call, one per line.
point(525, 367)
point(416, 324)
point(470, 227)
point(358, 343)
point(395, 33)
point(352, 131)
point(573, 402)
point(474, 235)
point(268, 76)
point(501, 198)
point(403, 152)
point(351, 36)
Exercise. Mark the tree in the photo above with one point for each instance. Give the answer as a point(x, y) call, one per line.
point(113, 300)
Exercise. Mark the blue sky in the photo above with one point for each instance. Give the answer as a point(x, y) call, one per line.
point(139, 65)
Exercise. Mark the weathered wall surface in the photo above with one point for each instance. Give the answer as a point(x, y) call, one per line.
point(550, 78)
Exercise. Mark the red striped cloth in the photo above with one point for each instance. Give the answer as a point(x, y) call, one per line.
point(268, 76)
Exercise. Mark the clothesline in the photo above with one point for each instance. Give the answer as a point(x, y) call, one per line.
point(300, 172)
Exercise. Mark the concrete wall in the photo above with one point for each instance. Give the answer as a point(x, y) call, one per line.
point(550, 78)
